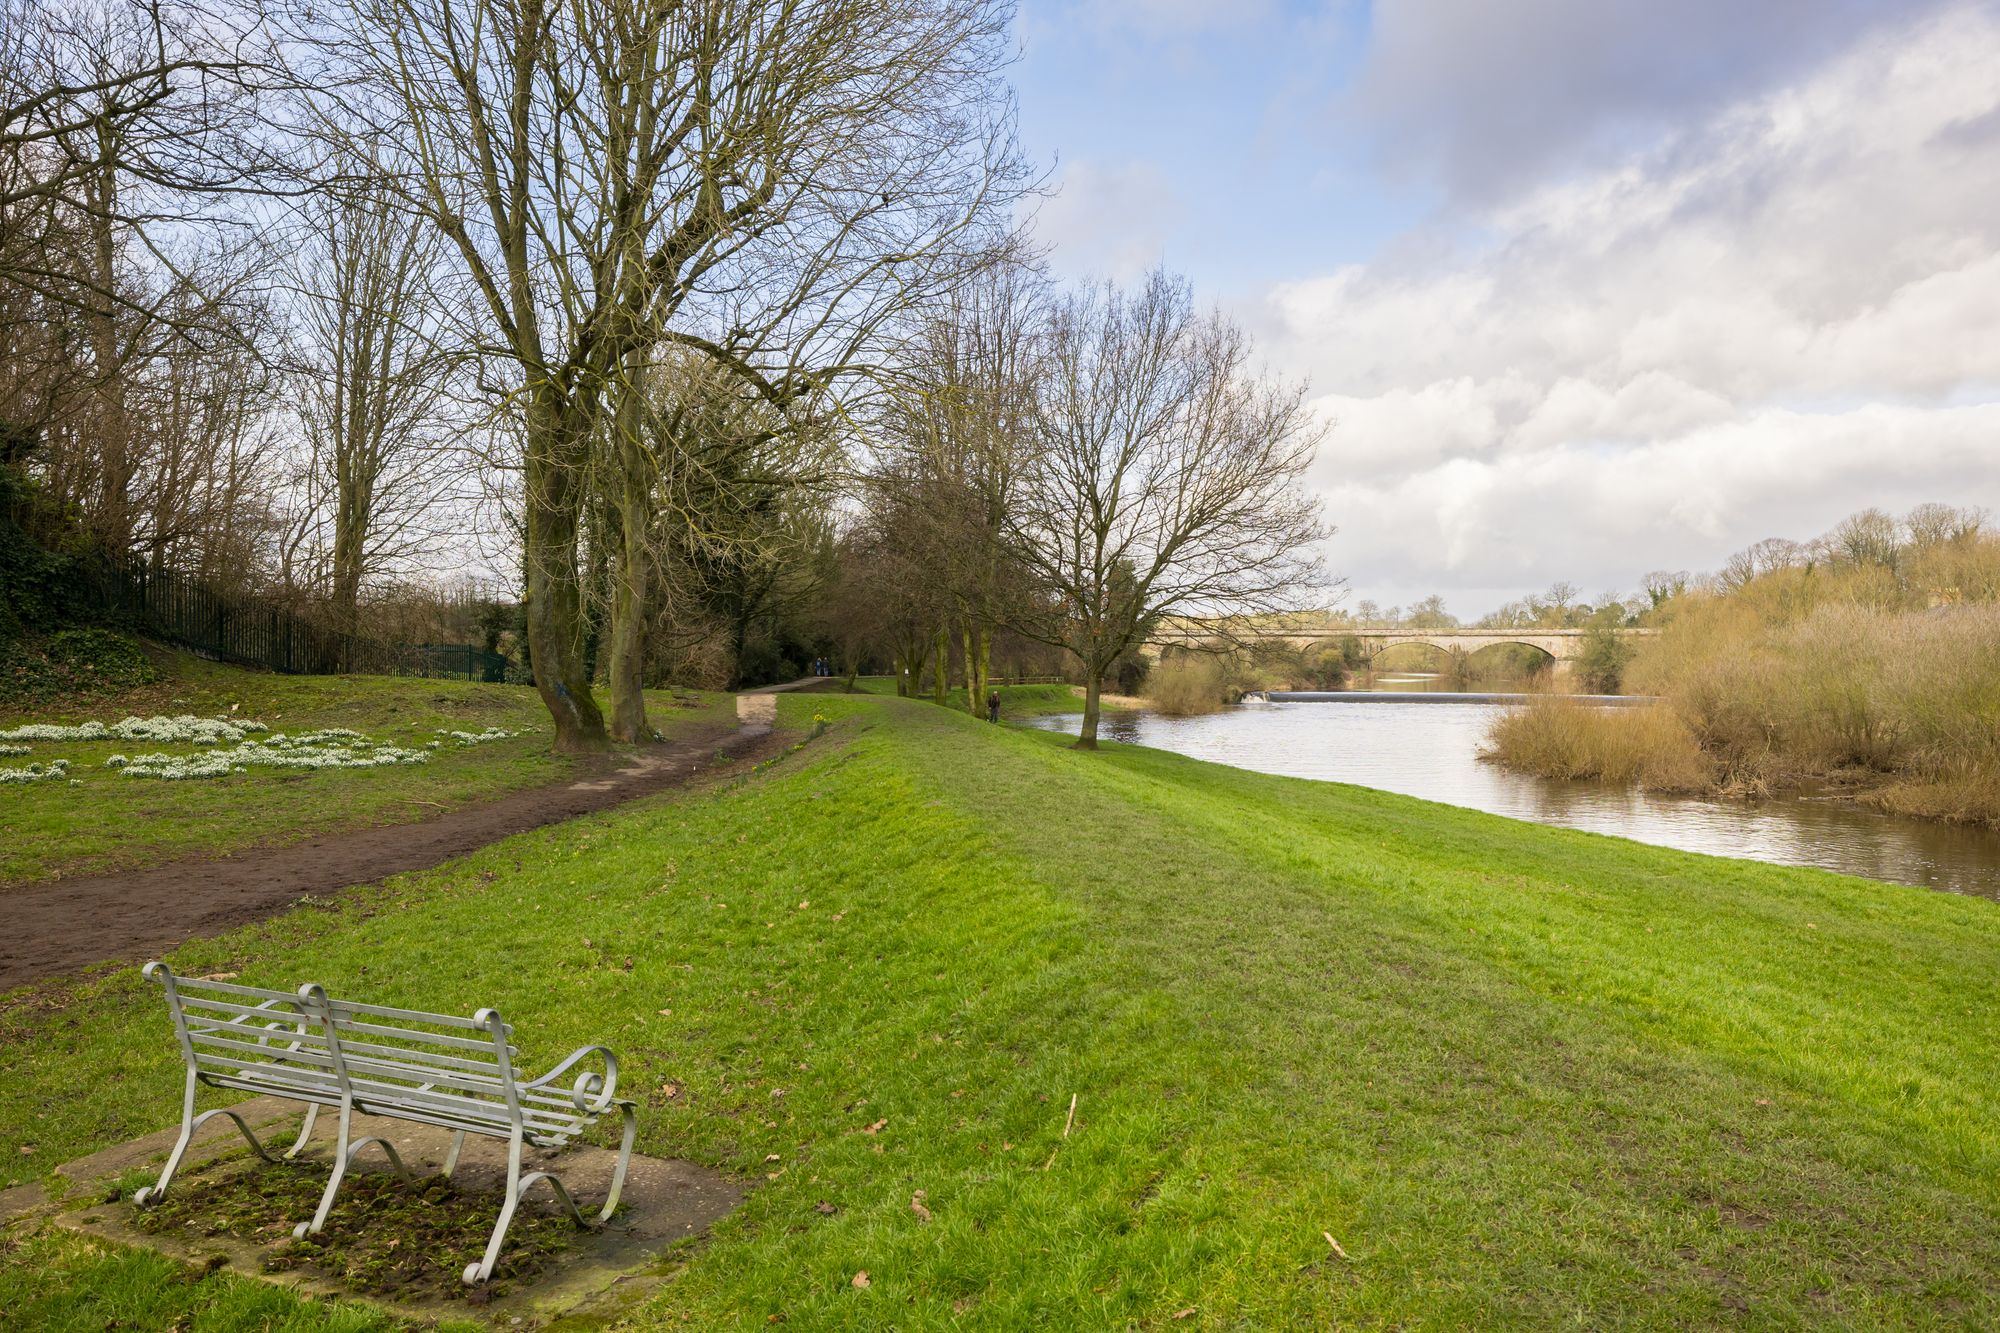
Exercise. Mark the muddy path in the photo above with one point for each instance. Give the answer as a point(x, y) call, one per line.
point(50, 929)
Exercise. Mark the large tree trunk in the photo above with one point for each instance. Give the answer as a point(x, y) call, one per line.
point(975, 698)
point(551, 503)
point(353, 503)
point(1093, 685)
point(111, 422)
point(982, 639)
point(628, 591)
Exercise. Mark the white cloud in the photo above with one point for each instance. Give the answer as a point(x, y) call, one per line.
point(1785, 311)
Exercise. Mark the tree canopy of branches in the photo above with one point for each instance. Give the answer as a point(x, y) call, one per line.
point(958, 433)
point(759, 180)
point(374, 374)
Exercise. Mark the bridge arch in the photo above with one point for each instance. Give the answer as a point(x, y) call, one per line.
point(1439, 655)
point(1532, 658)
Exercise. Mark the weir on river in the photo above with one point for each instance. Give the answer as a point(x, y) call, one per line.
point(1432, 697)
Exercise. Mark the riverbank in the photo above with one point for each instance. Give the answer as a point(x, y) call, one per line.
point(1338, 1057)
point(1864, 666)
point(1653, 748)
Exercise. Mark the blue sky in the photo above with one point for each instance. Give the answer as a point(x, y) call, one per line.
point(1589, 287)
point(1229, 121)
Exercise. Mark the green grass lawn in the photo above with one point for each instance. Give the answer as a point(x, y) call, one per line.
point(113, 822)
point(1016, 701)
point(1522, 1076)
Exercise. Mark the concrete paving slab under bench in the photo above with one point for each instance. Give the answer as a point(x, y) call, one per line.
point(665, 1201)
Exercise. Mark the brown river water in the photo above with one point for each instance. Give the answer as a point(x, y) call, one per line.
point(1431, 749)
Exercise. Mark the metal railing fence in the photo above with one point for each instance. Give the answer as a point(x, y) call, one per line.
point(186, 611)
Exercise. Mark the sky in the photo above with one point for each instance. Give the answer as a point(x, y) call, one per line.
point(1588, 288)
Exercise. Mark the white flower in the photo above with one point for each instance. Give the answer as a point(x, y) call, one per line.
point(313, 751)
point(54, 769)
point(475, 737)
point(12, 751)
point(185, 728)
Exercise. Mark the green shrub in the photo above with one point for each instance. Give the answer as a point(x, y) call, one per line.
point(73, 663)
point(1601, 664)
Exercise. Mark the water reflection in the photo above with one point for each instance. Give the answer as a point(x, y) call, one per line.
point(1431, 750)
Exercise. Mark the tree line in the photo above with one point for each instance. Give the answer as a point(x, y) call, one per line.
point(681, 316)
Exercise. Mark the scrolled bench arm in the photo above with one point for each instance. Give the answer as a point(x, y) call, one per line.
point(592, 1092)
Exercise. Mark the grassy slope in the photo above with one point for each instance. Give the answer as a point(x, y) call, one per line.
point(1016, 701)
point(1523, 1075)
point(113, 822)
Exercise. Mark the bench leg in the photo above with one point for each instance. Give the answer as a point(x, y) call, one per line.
point(479, 1272)
point(305, 1132)
point(451, 1158)
point(518, 1185)
point(624, 1161)
point(190, 1125)
point(344, 1153)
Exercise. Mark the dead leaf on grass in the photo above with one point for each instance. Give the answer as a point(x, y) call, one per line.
point(917, 1207)
point(861, 1279)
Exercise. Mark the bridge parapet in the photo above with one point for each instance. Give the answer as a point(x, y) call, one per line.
point(1562, 645)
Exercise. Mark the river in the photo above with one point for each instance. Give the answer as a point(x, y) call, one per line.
point(1431, 749)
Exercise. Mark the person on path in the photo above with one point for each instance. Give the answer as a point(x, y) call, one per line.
point(993, 705)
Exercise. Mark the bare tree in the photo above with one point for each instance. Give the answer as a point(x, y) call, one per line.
point(732, 522)
point(959, 428)
point(1663, 585)
point(131, 127)
point(755, 179)
point(883, 568)
point(1166, 480)
point(1935, 524)
point(375, 386)
point(1430, 613)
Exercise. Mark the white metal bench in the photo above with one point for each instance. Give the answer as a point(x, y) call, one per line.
point(429, 1069)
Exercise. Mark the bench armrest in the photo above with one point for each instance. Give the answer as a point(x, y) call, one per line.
point(592, 1092)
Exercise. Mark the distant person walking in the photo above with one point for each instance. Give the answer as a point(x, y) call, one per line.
point(993, 705)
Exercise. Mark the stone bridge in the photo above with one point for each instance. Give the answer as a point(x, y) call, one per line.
point(1562, 646)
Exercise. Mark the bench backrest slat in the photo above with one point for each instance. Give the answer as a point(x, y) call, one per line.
point(348, 1009)
point(204, 1006)
point(440, 1040)
point(207, 1043)
point(267, 1070)
point(421, 1059)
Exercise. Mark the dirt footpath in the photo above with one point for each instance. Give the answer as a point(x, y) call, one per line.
point(50, 929)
